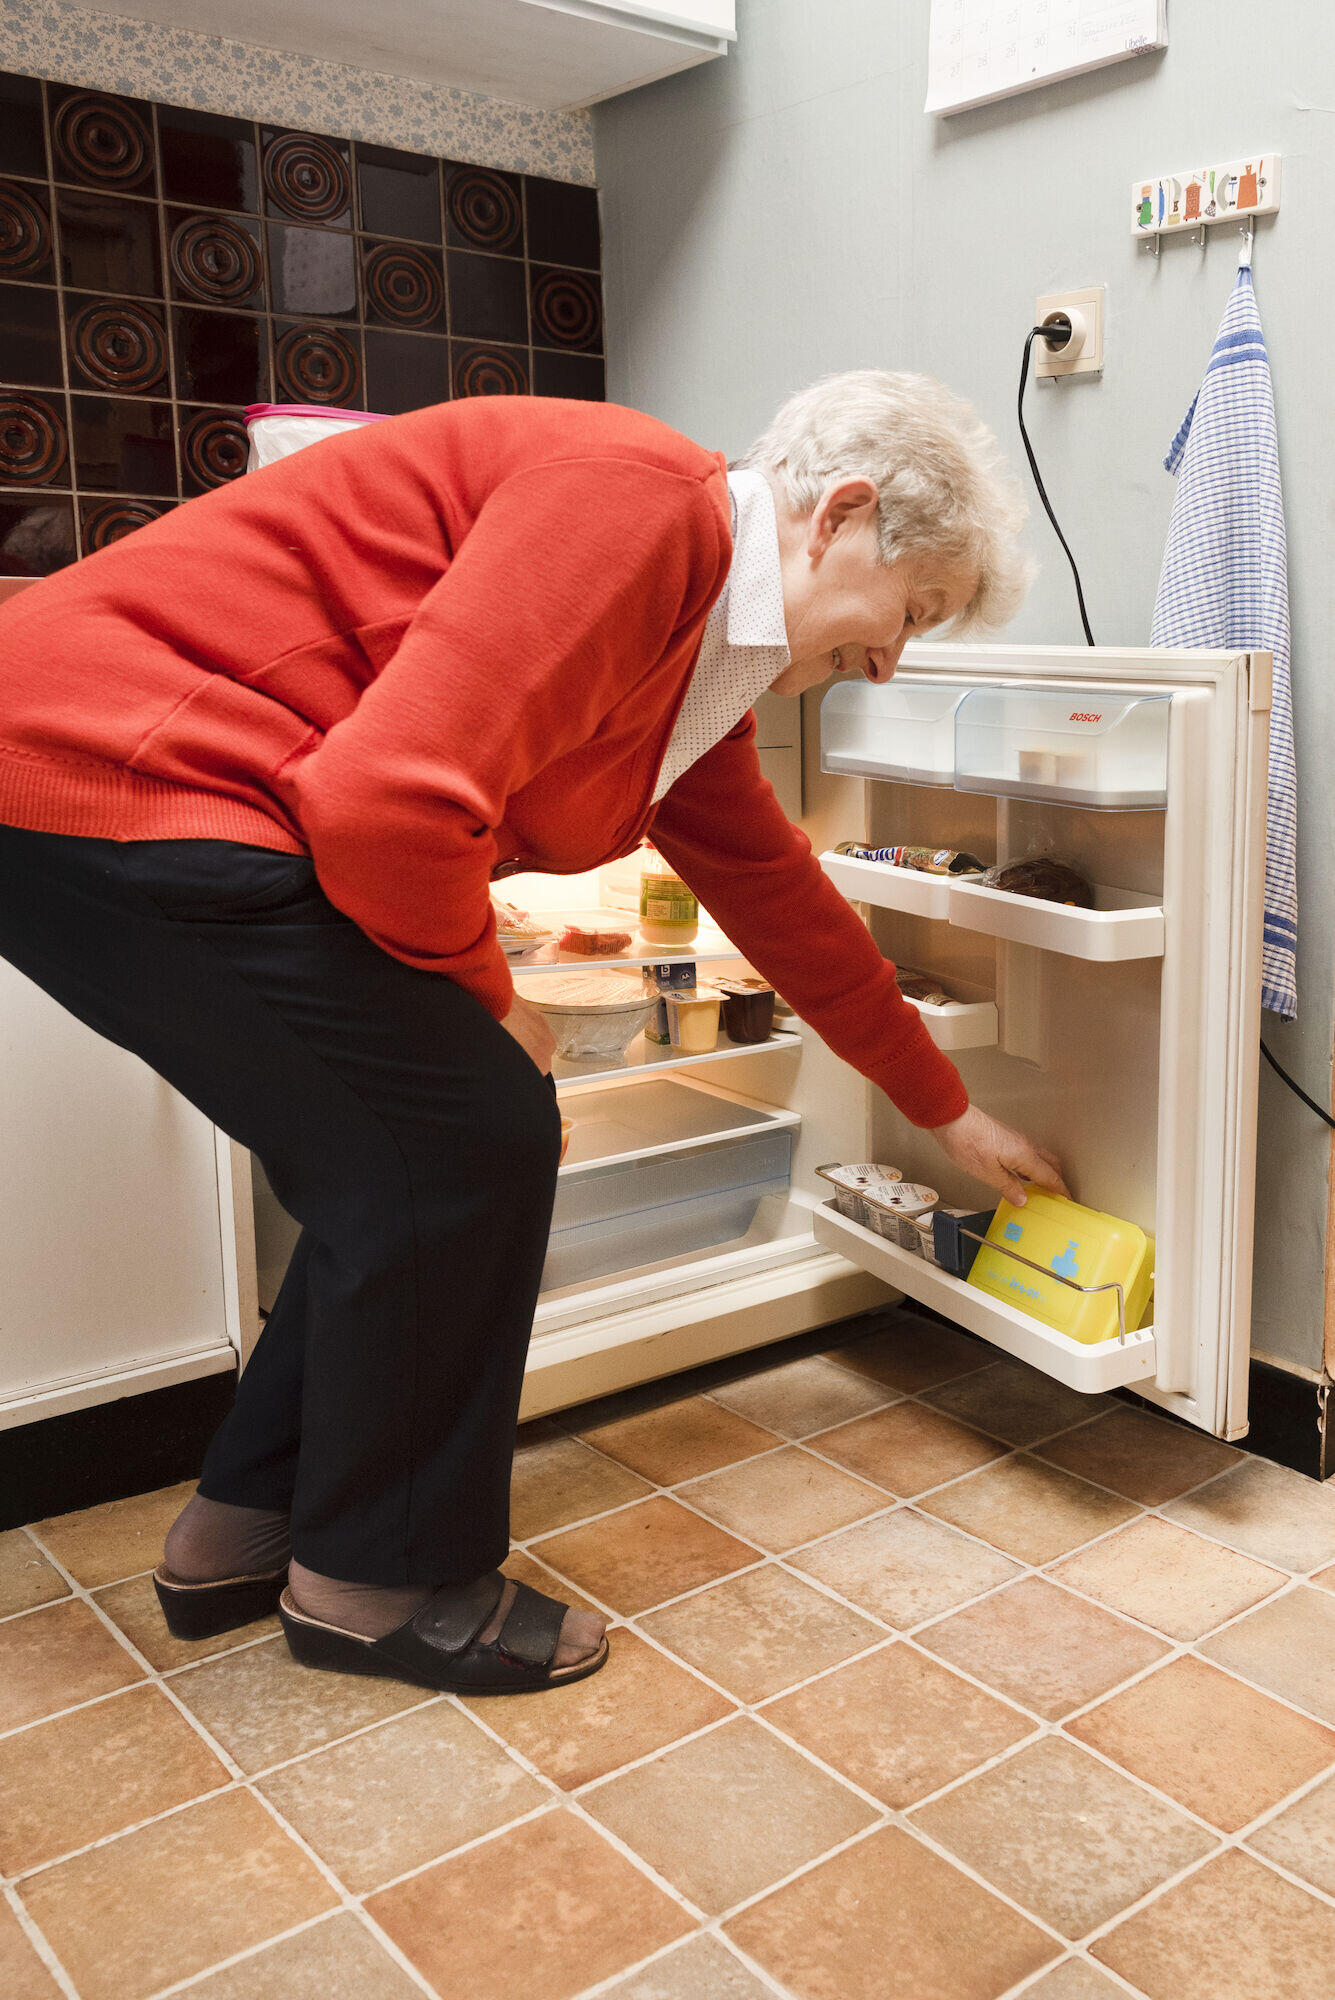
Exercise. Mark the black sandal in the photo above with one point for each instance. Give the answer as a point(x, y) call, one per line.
point(439, 1647)
point(203, 1610)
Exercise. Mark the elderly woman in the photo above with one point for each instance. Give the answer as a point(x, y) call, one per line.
point(259, 766)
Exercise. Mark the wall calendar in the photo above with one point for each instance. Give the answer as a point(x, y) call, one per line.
point(984, 49)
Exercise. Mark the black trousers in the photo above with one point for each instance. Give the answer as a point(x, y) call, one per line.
point(412, 1138)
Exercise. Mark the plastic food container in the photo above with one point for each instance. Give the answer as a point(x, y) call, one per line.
point(851, 1183)
point(594, 1015)
point(275, 430)
point(693, 1019)
point(748, 1009)
point(1080, 1244)
point(893, 1211)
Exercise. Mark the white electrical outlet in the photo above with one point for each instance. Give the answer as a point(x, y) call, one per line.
point(1083, 353)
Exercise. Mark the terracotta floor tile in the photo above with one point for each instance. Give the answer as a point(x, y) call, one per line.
point(1167, 1578)
point(898, 1724)
point(803, 1396)
point(1063, 1835)
point(1041, 1646)
point(1017, 1403)
point(70, 1781)
point(1029, 1509)
point(52, 1658)
point(904, 1568)
point(760, 1632)
point(120, 1538)
point(638, 1703)
point(336, 1959)
point(681, 1441)
point(22, 1973)
point(1075, 1980)
point(1287, 1647)
point(784, 1499)
point(1302, 1837)
point(727, 1814)
point(907, 1448)
point(912, 1354)
point(383, 1803)
point(263, 1707)
point(702, 1969)
point(172, 1898)
point(1217, 1747)
point(545, 1909)
point(1268, 1512)
point(1142, 1457)
point(1232, 1931)
point(26, 1577)
point(133, 1607)
point(889, 1920)
point(560, 1480)
point(644, 1555)
point(1324, 1578)
point(525, 1570)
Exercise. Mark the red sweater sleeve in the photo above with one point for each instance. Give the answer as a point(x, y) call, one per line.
point(569, 589)
point(723, 830)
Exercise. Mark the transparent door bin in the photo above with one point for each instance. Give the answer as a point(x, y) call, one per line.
point(900, 729)
point(1074, 747)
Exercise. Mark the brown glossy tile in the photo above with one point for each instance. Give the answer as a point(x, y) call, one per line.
point(27, 1579)
point(1287, 1647)
point(1063, 1835)
point(22, 1973)
point(133, 1607)
point(263, 1707)
point(644, 1555)
point(1142, 1457)
point(769, 1811)
point(1077, 1979)
point(638, 1703)
point(910, 1354)
point(898, 1724)
point(800, 1397)
point(336, 1959)
point(52, 1658)
point(889, 1920)
point(1016, 1403)
point(546, 1908)
point(120, 1538)
point(1029, 1509)
point(1217, 1747)
point(681, 1440)
point(1268, 1512)
point(702, 1969)
point(784, 1499)
point(1167, 1578)
point(1232, 1931)
point(557, 1480)
point(907, 1448)
point(760, 1632)
point(904, 1568)
point(388, 1801)
point(81, 1776)
point(1042, 1646)
point(151, 1907)
point(1302, 1837)
point(525, 1570)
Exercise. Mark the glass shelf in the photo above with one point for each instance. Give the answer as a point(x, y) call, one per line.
point(643, 1057)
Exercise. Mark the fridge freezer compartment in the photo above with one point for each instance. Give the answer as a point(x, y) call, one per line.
point(1075, 747)
point(899, 729)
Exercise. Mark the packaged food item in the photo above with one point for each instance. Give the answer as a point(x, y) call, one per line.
point(851, 1183)
point(671, 975)
point(926, 860)
point(693, 1019)
point(669, 912)
point(1067, 1242)
point(1051, 881)
point(952, 1249)
point(594, 1015)
point(594, 944)
point(921, 986)
point(748, 1009)
point(924, 1238)
point(567, 1127)
point(892, 1212)
point(516, 930)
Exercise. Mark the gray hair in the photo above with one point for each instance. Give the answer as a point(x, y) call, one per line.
point(945, 491)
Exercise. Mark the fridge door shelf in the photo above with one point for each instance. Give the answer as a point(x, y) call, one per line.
point(1075, 748)
point(1091, 1370)
point(890, 888)
point(644, 1057)
point(901, 729)
point(964, 1024)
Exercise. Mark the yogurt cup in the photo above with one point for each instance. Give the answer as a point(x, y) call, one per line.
point(748, 1009)
point(693, 1019)
point(850, 1186)
point(894, 1211)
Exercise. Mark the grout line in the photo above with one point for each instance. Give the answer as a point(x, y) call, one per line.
point(37, 1939)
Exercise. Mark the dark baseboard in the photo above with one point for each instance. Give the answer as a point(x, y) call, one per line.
point(1284, 1413)
point(110, 1451)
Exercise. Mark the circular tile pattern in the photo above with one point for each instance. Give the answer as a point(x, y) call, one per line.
point(403, 284)
point(214, 447)
point(100, 140)
point(490, 371)
point(307, 177)
point(484, 209)
point(108, 521)
point(118, 346)
point(215, 260)
point(567, 311)
point(25, 232)
point(316, 365)
point(33, 445)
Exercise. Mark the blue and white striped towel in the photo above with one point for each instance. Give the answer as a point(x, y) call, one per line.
point(1225, 582)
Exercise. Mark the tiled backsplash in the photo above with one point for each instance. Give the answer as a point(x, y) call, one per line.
point(161, 268)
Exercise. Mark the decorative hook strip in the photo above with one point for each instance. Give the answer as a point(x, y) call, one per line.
point(1202, 196)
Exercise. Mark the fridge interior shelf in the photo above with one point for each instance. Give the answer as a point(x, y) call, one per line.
point(1073, 747)
point(900, 729)
point(1092, 1370)
point(644, 1057)
point(661, 1115)
point(710, 945)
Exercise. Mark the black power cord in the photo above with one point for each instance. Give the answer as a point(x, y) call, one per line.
point(1056, 333)
point(1297, 1088)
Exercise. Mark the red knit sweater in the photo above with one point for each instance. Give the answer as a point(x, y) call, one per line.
point(433, 651)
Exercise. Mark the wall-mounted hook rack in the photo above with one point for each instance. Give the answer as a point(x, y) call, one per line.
point(1196, 200)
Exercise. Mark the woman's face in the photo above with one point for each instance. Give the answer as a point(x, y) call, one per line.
point(839, 599)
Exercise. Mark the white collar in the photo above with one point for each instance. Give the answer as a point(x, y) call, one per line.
point(755, 616)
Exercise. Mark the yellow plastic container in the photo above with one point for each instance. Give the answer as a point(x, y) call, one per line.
point(1069, 1241)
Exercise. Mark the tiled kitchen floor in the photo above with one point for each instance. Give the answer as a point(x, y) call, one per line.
point(930, 1680)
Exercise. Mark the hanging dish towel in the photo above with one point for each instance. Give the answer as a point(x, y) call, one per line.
point(1225, 582)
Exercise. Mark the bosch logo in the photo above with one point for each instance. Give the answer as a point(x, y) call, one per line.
point(1080, 716)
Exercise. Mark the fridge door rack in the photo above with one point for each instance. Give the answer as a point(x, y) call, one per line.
point(1103, 751)
point(902, 729)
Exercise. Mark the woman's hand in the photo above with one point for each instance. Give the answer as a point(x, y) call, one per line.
point(992, 1152)
point(528, 1025)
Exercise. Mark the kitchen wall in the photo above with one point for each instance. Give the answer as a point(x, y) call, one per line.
point(791, 211)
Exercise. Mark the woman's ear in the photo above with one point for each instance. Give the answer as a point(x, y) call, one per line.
point(845, 503)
